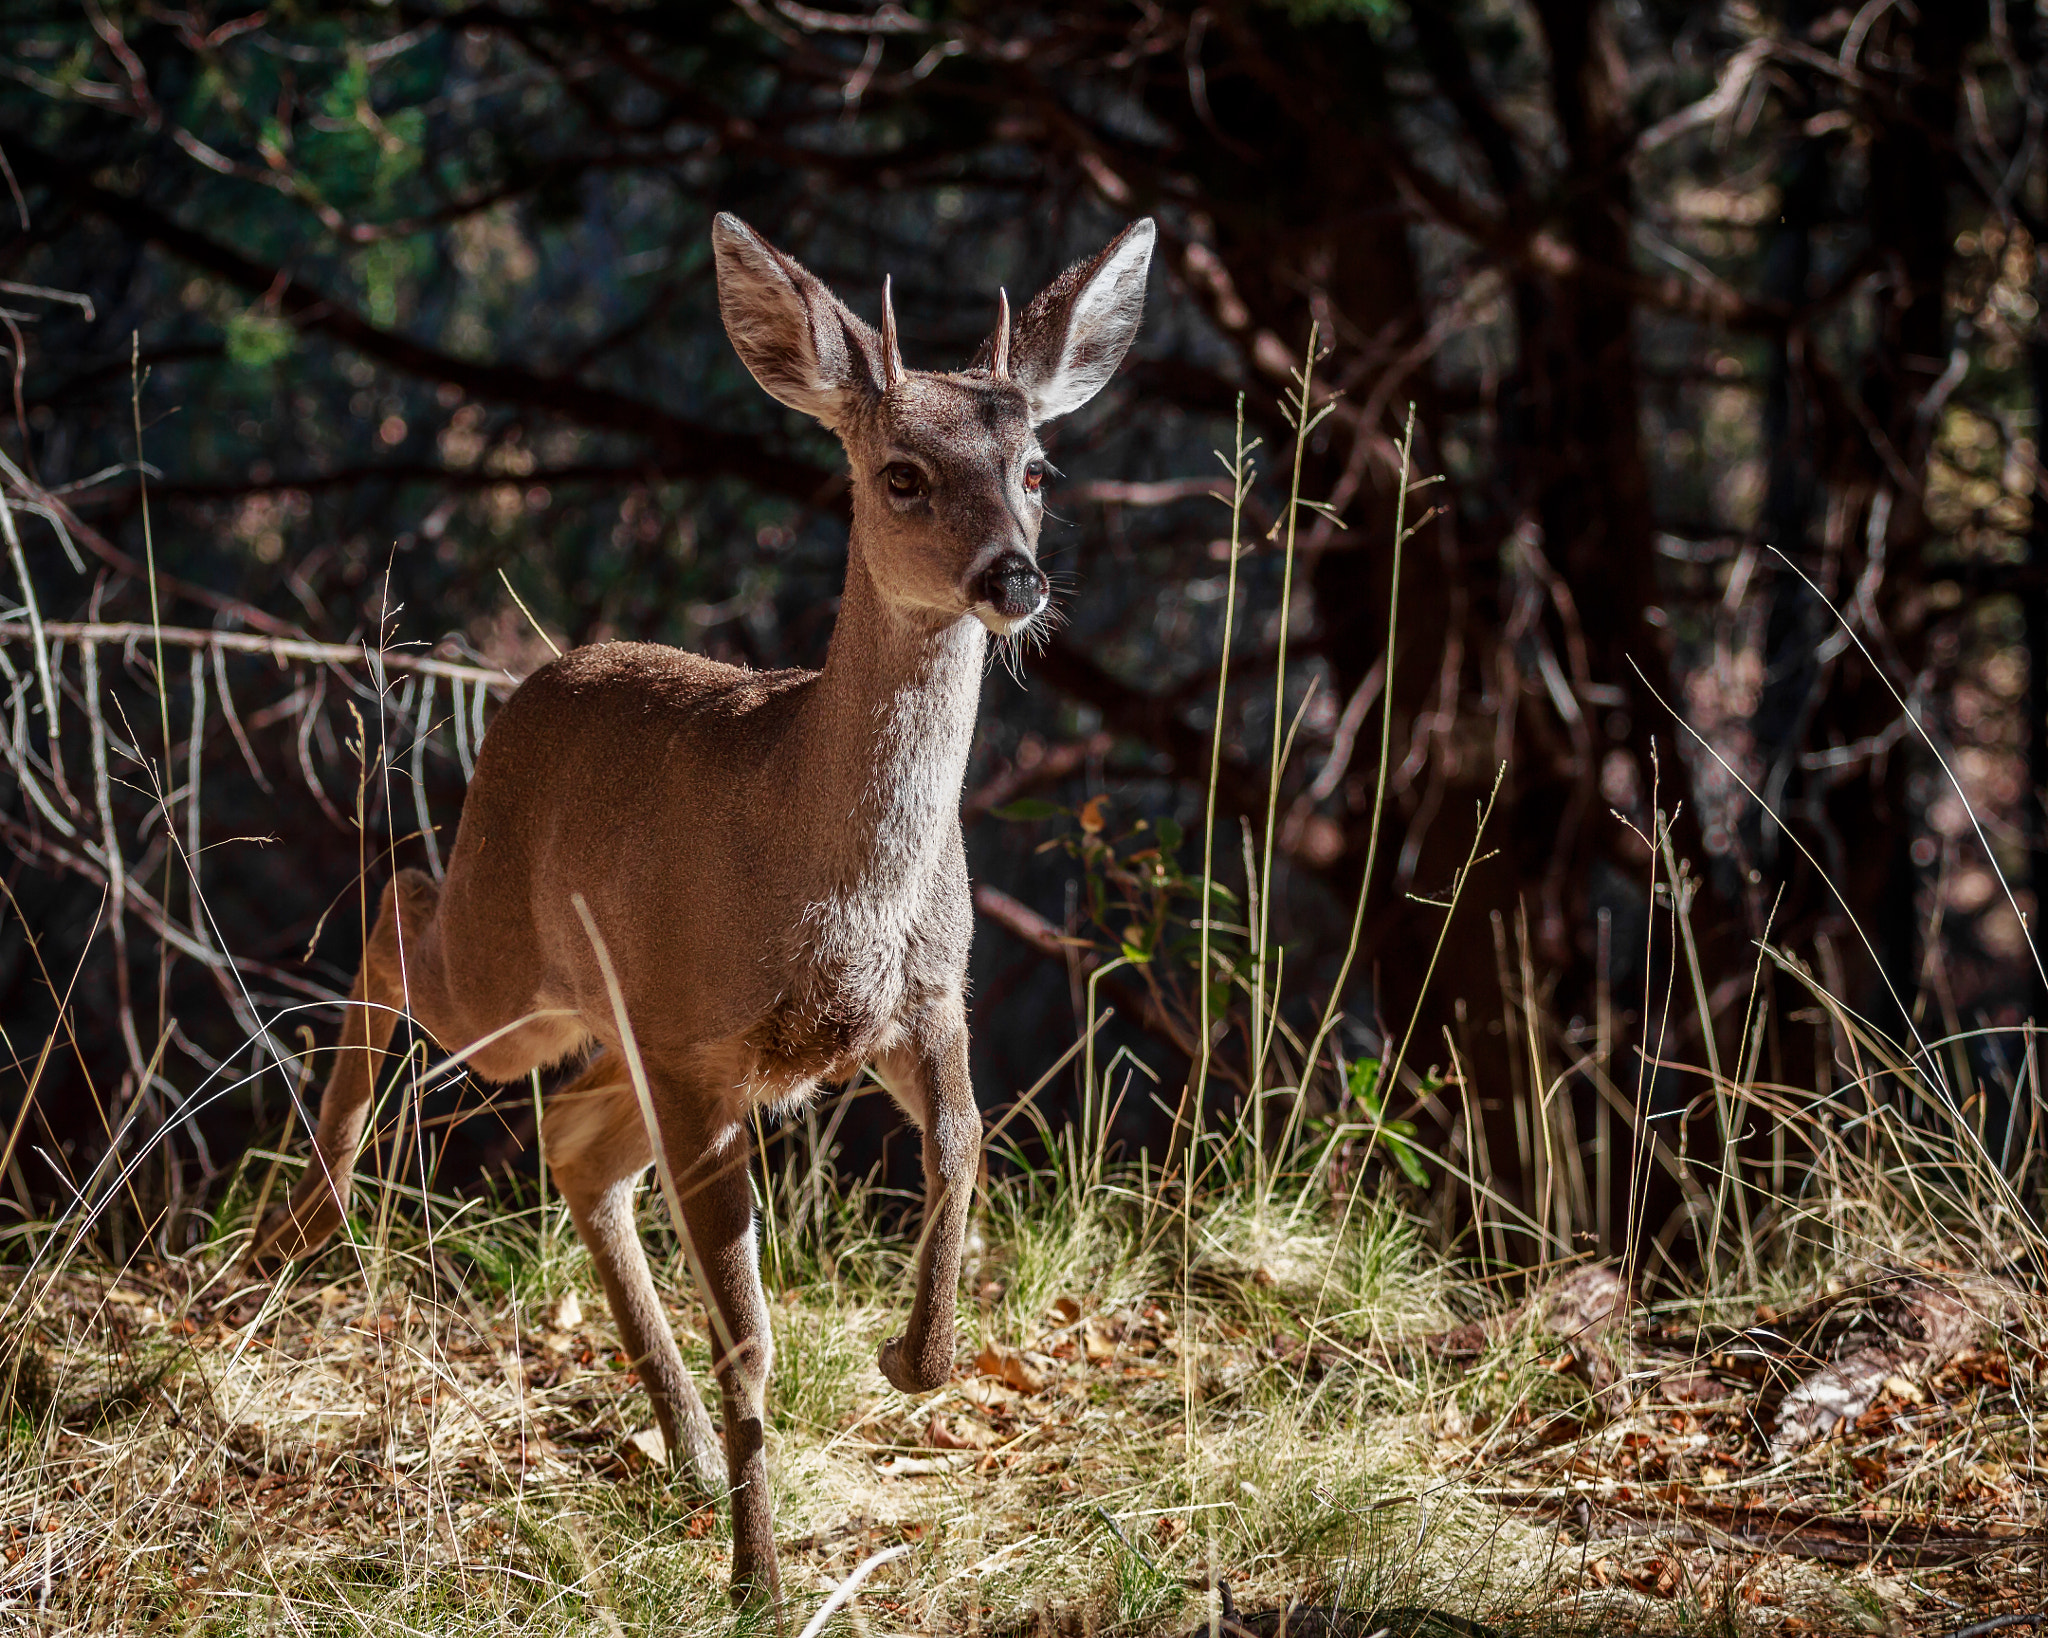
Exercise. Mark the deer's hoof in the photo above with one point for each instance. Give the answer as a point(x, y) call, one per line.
point(283, 1237)
point(703, 1469)
point(908, 1377)
point(756, 1585)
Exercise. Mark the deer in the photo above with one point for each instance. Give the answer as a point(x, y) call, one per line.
point(710, 890)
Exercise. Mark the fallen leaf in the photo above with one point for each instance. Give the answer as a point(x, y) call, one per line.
point(567, 1314)
point(643, 1448)
point(940, 1436)
point(987, 1391)
point(1066, 1310)
point(1027, 1373)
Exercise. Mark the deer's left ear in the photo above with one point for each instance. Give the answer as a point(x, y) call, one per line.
point(1072, 337)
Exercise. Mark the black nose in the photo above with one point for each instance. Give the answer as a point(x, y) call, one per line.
point(1013, 586)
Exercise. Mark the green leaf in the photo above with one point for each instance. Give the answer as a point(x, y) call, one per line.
point(256, 340)
point(1395, 1136)
point(1026, 810)
point(1136, 954)
point(1169, 833)
point(1407, 1159)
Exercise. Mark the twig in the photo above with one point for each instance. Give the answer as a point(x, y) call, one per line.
point(1117, 1529)
point(847, 1588)
point(96, 632)
point(1999, 1624)
point(1026, 924)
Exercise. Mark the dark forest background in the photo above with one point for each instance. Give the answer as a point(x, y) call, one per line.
point(1720, 322)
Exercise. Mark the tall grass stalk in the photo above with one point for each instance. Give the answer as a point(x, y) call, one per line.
point(1173, 1436)
point(1304, 417)
point(636, 1072)
point(160, 778)
point(1240, 469)
point(1333, 1005)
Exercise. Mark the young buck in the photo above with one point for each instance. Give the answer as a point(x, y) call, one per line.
point(738, 885)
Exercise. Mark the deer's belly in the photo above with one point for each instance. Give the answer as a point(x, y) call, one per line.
point(820, 1035)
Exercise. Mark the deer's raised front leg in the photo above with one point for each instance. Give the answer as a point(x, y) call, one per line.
point(928, 1076)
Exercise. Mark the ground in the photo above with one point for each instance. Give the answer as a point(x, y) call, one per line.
point(431, 1430)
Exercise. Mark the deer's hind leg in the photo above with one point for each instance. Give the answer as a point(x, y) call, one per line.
point(596, 1146)
point(400, 972)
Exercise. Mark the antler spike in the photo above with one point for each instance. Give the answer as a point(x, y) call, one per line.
point(999, 366)
point(892, 360)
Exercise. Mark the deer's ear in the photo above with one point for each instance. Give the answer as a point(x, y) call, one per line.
point(1075, 333)
point(798, 339)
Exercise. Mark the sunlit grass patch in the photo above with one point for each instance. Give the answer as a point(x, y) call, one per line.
point(1292, 1356)
point(439, 1447)
point(1294, 1392)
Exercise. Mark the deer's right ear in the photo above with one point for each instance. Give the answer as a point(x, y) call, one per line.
point(797, 338)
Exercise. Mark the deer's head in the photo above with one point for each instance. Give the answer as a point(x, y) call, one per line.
point(946, 467)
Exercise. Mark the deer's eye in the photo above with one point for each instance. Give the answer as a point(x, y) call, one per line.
point(1034, 475)
point(903, 479)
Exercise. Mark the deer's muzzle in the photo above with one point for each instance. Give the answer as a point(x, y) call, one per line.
point(1014, 587)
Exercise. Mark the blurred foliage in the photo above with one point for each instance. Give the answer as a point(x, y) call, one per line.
point(1686, 296)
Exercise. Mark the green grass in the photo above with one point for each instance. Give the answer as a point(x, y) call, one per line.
point(1289, 1357)
point(422, 1436)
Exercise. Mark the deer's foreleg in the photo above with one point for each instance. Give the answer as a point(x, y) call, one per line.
point(718, 1214)
point(928, 1076)
point(597, 1147)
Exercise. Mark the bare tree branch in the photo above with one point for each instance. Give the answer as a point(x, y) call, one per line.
point(684, 448)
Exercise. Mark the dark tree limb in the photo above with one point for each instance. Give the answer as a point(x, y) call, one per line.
point(684, 447)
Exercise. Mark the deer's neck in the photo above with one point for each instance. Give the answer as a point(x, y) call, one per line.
point(885, 738)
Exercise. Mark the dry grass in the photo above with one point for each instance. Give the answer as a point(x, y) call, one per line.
point(1269, 1376)
point(431, 1436)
